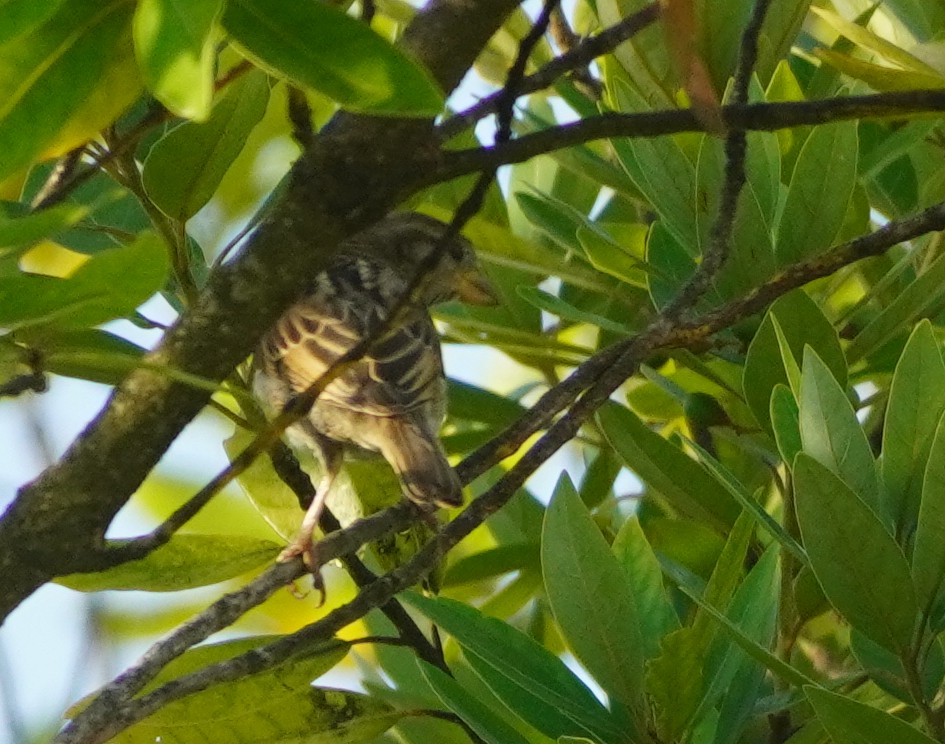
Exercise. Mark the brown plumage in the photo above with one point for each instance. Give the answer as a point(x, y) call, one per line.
point(393, 401)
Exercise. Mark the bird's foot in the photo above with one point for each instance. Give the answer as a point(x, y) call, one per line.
point(304, 546)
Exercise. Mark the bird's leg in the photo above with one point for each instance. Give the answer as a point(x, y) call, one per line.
point(303, 544)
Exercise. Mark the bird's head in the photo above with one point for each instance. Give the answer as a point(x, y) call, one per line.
point(405, 240)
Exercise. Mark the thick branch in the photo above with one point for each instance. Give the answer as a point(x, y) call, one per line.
point(357, 169)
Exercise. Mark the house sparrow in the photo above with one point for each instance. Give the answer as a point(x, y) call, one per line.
point(392, 401)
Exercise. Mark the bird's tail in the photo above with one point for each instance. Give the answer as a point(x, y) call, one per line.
point(419, 460)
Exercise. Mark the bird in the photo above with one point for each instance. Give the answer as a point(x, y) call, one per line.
point(392, 401)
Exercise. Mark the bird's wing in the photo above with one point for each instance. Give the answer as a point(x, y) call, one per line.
point(403, 369)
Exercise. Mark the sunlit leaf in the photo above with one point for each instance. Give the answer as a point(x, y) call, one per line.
point(322, 47)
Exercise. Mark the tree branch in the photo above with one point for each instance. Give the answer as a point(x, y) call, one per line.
point(358, 168)
point(761, 117)
point(581, 56)
point(114, 708)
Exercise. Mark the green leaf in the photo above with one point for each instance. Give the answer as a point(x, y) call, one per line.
point(174, 44)
point(297, 671)
point(928, 556)
point(887, 672)
point(751, 254)
point(831, 433)
point(19, 17)
point(919, 298)
point(674, 682)
point(645, 579)
point(555, 305)
point(266, 710)
point(277, 705)
point(879, 77)
point(321, 47)
point(754, 611)
point(676, 679)
point(852, 722)
point(619, 258)
point(89, 354)
point(909, 428)
point(587, 587)
point(682, 481)
point(802, 323)
point(492, 728)
point(493, 562)
point(784, 419)
point(860, 567)
point(672, 264)
point(866, 39)
point(820, 190)
point(762, 655)
point(750, 504)
point(783, 20)
point(667, 178)
point(45, 75)
point(19, 234)
point(472, 403)
point(185, 167)
point(535, 684)
point(110, 285)
point(185, 562)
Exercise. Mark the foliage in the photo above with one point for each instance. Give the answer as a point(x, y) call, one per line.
point(772, 569)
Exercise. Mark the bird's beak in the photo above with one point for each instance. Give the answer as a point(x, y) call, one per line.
point(473, 288)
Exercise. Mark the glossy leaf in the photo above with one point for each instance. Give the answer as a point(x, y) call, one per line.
point(586, 586)
point(323, 48)
point(860, 567)
point(46, 75)
point(185, 167)
point(174, 44)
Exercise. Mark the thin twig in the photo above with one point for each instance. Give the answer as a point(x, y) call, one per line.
point(581, 56)
point(717, 251)
point(760, 117)
point(288, 469)
point(114, 709)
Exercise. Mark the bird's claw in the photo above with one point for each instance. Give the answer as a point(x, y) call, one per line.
point(308, 550)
